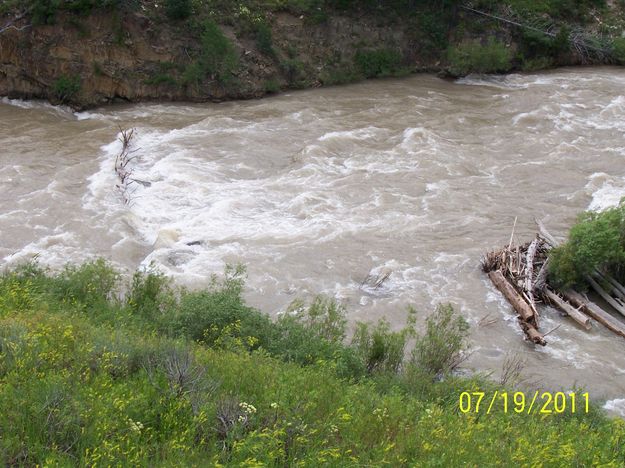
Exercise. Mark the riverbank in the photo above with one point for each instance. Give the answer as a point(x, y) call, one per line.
point(164, 377)
point(92, 53)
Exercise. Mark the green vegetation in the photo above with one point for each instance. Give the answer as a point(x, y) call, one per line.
point(618, 49)
point(596, 241)
point(165, 377)
point(558, 9)
point(66, 87)
point(474, 57)
point(379, 63)
point(164, 75)
point(218, 58)
point(178, 9)
point(272, 86)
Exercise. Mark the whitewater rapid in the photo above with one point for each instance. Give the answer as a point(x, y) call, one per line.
point(314, 190)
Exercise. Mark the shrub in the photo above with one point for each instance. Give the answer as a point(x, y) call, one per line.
point(89, 284)
point(272, 86)
point(293, 68)
point(537, 48)
point(219, 315)
point(439, 351)
point(150, 294)
point(473, 57)
point(618, 50)
point(66, 87)
point(264, 40)
point(340, 74)
point(324, 317)
point(218, 58)
point(381, 349)
point(379, 62)
point(596, 241)
point(178, 9)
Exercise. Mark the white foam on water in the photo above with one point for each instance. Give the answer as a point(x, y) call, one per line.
point(202, 198)
point(52, 249)
point(357, 134)
point(607, 191)
point(37, 105)
point(616, 406)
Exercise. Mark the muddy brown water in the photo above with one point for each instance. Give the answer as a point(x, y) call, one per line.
point(312, 190)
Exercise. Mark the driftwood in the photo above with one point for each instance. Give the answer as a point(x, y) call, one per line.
point(375, 281)
point(596, 312)
point(122, 167)
point(615, 287)
point(567, 308)
point(526, 313)
point(615, 303)
point(579, 40)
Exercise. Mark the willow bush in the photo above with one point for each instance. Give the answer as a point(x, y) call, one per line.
point(596, 241)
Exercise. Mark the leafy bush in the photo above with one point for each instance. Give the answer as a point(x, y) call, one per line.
point(473, 57)
point(439, 350)
point(618, 50)
point(272, 86)
point(379, 62)
point(66, 87)
point(219, 312)
point(218, 58)
point(264, 39)
point(93, 283)
point(596, 241)
point(341, 73)
point(150, 294)
point(178, 9)
point(293, 68)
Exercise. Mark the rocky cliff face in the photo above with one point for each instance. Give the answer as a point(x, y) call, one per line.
point(101, 58)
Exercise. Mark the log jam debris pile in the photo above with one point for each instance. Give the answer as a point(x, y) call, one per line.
point(520, 274)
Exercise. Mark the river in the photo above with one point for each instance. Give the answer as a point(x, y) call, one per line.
point(312, 190)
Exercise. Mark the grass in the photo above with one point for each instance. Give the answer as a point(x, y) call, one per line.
point(163, 377)
point(475, 57)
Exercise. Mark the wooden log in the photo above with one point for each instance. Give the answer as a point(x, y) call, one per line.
point(618, 305)
point(541, 278)
point(604, 294)
point(569, 310)
point(535, 336)
point(545, 234)
point(616, 284)
point(529, 273)
point(615, 287)
point(522, 308)
point(595, 311)
point(529, 277)
point(526, 314)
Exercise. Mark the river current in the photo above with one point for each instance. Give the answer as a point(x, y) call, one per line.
point(313, 190)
